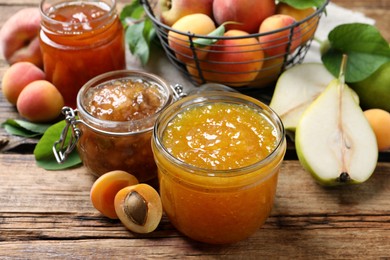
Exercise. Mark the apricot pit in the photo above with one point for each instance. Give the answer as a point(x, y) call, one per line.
point(139, 208)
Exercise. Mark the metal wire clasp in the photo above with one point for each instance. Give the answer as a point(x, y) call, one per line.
point(65, 145)
point(178, 91)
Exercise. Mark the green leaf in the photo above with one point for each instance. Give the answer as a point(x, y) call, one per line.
point(72, 160)
point(138, 37)
point(202, 42)
point(132, 11)
point(44, 148)
point(304, 4)
point(24, 128)
point(43, 151)
point(366, 48)
point(139, 30)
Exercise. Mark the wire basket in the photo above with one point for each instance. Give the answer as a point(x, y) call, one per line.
point(202, 64)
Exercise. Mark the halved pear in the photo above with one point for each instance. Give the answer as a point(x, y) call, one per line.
point(296, 89)
point(334, 140)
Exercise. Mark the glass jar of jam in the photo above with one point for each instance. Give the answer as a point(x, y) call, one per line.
point(80, 40)
point(116, 114)
point(218, 156)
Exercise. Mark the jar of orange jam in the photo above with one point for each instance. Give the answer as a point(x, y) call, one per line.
point(218, 156)
point(80, 40)
point(116, 112)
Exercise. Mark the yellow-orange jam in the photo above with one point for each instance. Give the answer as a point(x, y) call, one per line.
point(119, 110)
point(220, 136)
point(218, 157)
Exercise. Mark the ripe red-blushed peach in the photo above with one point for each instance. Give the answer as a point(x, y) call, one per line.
point(309, 27)
point(19, 37)
point(17, 77)
point(198, 23)
point(40, 101)
point(232, 61)
point(269, 72)
point(276, 43)
point(248, 13)
point(172, 10)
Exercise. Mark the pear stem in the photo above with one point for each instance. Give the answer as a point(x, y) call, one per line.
point(344, 146)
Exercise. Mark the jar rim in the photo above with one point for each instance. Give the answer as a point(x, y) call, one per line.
point(110, 124)
point(44, 7)
point(179, 106)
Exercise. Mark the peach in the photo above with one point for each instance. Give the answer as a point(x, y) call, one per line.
point(172, 10)
point(308, 27)
point(269, 73)
point(249, 13)
point(40, 101)
point(19, 37)
point(198, 23)
point(17, 77)
point(277, 43)
point(379, 120)
point(233, 61)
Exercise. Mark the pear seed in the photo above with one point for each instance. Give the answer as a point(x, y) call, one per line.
point(136, 208)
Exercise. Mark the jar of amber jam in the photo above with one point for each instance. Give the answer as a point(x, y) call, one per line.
point(80, 40)
point(218, 156)
point(116, 114)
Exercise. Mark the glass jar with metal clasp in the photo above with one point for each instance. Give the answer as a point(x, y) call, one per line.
point(112, 125)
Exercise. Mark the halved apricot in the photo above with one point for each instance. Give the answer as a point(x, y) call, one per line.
point(105, 188)
point(139, 208)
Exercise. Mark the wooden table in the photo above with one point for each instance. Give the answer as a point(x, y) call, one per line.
point(48, 214)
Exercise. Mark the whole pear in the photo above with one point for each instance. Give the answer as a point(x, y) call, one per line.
point(374, 91)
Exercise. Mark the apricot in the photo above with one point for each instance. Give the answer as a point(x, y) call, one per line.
point(105, 188)
point(199, 24)
point(139, 208)
point(278, 43)
point(19, 37)
point(309, 27)
point(232, 61)
point(379, 120)
point(40, 101)
point(17, 77)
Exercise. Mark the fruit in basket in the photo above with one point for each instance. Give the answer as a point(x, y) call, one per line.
point(233, 62)
point(40, 101)
point(334, 140)
point(379, 120)
point(249, 13)
point(296, 89)
point(19, 37)
point(309, 27)
point(17, 77)
point(139, 208)
point(374, 91)
point(198, 23)
point(278, 43)
point(269, 72)
point(172, 10)
point(105, 188)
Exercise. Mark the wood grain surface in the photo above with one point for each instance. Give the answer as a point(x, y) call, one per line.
point(48, 214)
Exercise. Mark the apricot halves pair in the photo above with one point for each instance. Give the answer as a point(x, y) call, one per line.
point(117, 194)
